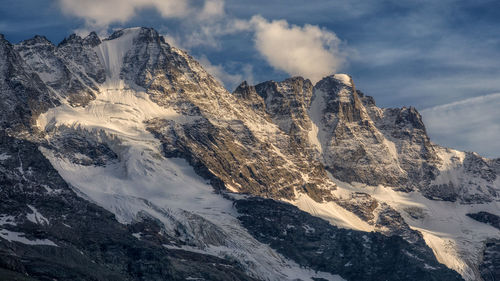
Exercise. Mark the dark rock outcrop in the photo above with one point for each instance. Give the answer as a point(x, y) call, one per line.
point(86, 241)
point(354, 255)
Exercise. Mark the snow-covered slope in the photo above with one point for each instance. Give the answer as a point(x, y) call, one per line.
point(397, 154)
point(456, 239)
point(359, 142)
point(139, 128)
point(111, 54)
point(142, 181)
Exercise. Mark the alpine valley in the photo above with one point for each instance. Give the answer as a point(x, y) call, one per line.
point(123, 159)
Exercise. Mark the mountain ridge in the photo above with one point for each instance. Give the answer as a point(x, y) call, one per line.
point(136, 118)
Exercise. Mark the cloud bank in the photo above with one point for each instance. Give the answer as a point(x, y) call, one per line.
point(101, 13)
point(229, 80)
point(471, 124)
point(307, 51)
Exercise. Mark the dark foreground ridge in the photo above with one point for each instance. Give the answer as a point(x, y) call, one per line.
point(354, 255)
point(91, 244)
point(288, 140)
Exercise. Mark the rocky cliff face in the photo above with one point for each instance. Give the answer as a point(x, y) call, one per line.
point(71, 69)
point(23, 94)
point(47, 231)
point(315, 243)
point(136, 128)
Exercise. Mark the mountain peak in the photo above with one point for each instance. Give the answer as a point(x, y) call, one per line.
point(344, 78)
point(73, 38)
point(338, 78)
point(243, 86)
point(412, 116)
point(143, 33)
point(244, 90)
point(129, 113)
point(123, 32)
point(92, 39)
point(37, 40)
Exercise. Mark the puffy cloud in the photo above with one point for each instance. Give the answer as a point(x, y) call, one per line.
point(212, 8)
point(210, 34)
point(307, 51)
point(101, 13)
point(472, 124)
point(229, 80)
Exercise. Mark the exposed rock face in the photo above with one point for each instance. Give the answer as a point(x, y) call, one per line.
point(65, 237)
point(353, 148)
point(215, 154)
point(80, 149)
point(287, 102)
point(114, 116)
point(490, 267)
point(23, 95)
point(363, 143)
point(72, 68)
point(248, 94)
point(354, 255)
point(487, 218)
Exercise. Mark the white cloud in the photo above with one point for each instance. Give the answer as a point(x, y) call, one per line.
point(212, 8)
point(229, 80)
point(209, 34)
point(101, 13)
point(173, 40)
point(307, 51)
point(471, 124)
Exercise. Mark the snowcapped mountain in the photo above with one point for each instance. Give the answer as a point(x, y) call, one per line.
point(123, 159)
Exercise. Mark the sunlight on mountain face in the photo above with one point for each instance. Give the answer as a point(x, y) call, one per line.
point(122, 158)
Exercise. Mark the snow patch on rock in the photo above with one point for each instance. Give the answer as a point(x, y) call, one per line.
point(4, 156)
point(13, 236)
point(36, 217)
point(456, 240)
point(7, 219)
point(111, 54)
point(317, 134)
point(143, 181)
point(331, 212)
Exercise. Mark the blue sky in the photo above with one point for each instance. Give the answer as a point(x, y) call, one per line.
point(429, 54)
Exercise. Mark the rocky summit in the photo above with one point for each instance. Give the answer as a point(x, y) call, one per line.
point(121, 158)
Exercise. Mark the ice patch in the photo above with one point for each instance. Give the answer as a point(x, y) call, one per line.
point(451, 170)
point(308, 229)
point(456, 239)
point(290, 269)
point(111, 54)
point(317, 134)
point(144, 181)
point(36, 217)
point(7, 219)
point(4, 156)
point(331, 212)
point(12, 236)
